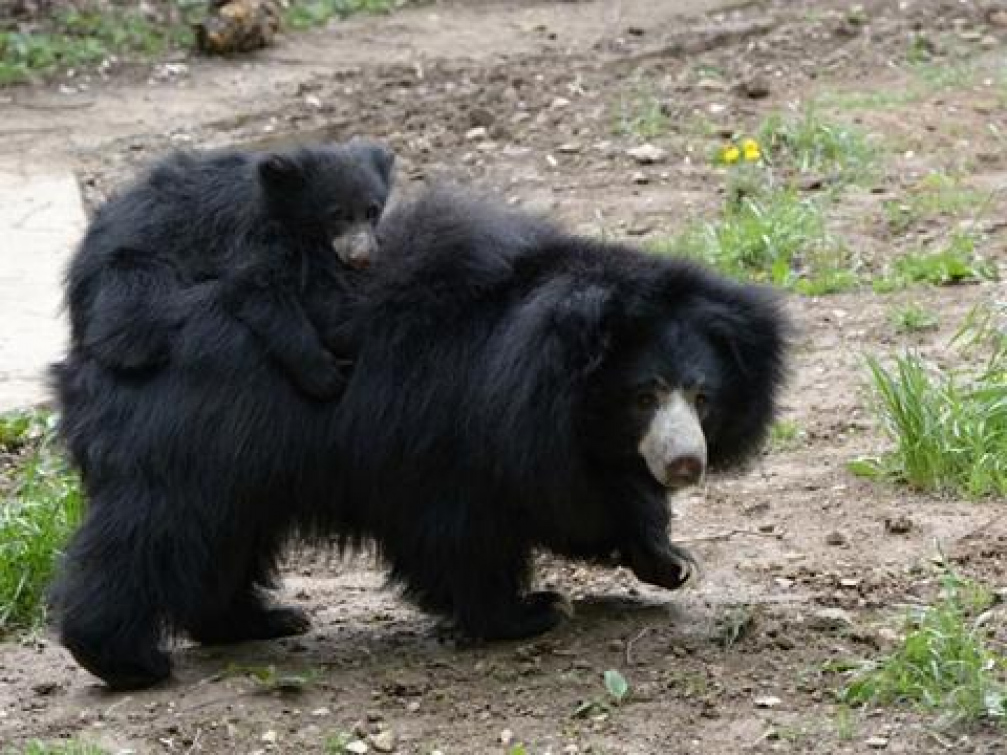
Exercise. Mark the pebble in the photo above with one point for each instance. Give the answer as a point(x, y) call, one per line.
point(877, 743)
point(270, 737)
point(755, 88)
point(767, 701)
point(384, 741)
point(835, 538)
point(648, 154)
point(357, 747)
point(477, 133)
point(898, 525)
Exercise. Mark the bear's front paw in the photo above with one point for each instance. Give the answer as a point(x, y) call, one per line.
point(253, 623)
point(669, 567)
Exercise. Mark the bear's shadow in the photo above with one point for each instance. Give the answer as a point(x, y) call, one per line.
point(369, 644)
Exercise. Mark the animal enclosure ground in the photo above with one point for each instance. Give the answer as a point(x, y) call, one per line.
point(882, 131)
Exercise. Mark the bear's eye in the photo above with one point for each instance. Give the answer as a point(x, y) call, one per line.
point(646, 400)
point(337, 216)
point(373, 213)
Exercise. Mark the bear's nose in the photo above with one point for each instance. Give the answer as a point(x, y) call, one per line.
point(684, 471)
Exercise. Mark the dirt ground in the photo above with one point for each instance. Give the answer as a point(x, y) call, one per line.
point(520, 97)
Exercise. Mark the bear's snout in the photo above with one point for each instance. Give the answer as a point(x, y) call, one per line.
point(673, 445)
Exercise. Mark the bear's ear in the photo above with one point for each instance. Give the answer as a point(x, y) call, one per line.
point(280, 171)
point(749, 325)
point(378, 155)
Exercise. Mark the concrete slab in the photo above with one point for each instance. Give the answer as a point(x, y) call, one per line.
point(41, 219)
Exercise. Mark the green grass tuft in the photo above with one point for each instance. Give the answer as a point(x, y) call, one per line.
point(943, 662)
point(913, 318)
point(303, 14)
point(76, 38)
point(949, 427)
point(957, 262)
point(641, 114)
point(935, 195)
point(786, 435)
point(777, 238)
point(40, 505)
point(68, 747)
point(811, 144)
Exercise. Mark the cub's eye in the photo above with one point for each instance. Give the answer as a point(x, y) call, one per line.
point(701, 402)
point(373, 213)
point(646, 400)
point(337, 216)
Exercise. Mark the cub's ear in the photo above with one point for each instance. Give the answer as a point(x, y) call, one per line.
point(378, 155)
point(280, 171)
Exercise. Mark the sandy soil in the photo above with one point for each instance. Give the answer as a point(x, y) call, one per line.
point(522, 98)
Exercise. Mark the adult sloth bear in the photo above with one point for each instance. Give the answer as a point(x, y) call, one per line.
point(515, 388)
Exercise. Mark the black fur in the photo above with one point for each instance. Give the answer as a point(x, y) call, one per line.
point(263, 224)
point(492, 411)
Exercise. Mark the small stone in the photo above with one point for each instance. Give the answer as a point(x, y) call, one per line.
point(767, 701)
point(357, 747)
point(385, 741)
point(478, 133)
point(412, 706)
point(640, 178)
point(481, 117)
point(898, 525)
point(506, 737)
point(648, 154)
point(270, 737)
point(313, 102)
point(755, 88)
point(559, 103)
point(569, 148)
point(46, 687)
point(877, 743)
point(849, 583)
point(835, 538)
point(711, 85)
point(319, 712)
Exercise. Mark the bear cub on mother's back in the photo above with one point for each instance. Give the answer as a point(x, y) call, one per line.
point(282, 233)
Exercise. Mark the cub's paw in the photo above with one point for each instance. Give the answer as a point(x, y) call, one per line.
point(325, 382)
point(669, 567)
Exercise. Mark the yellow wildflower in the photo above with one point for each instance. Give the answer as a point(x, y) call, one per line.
point(730, 154)
point(751, 150)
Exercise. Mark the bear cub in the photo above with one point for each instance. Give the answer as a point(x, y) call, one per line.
point(283, 234)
